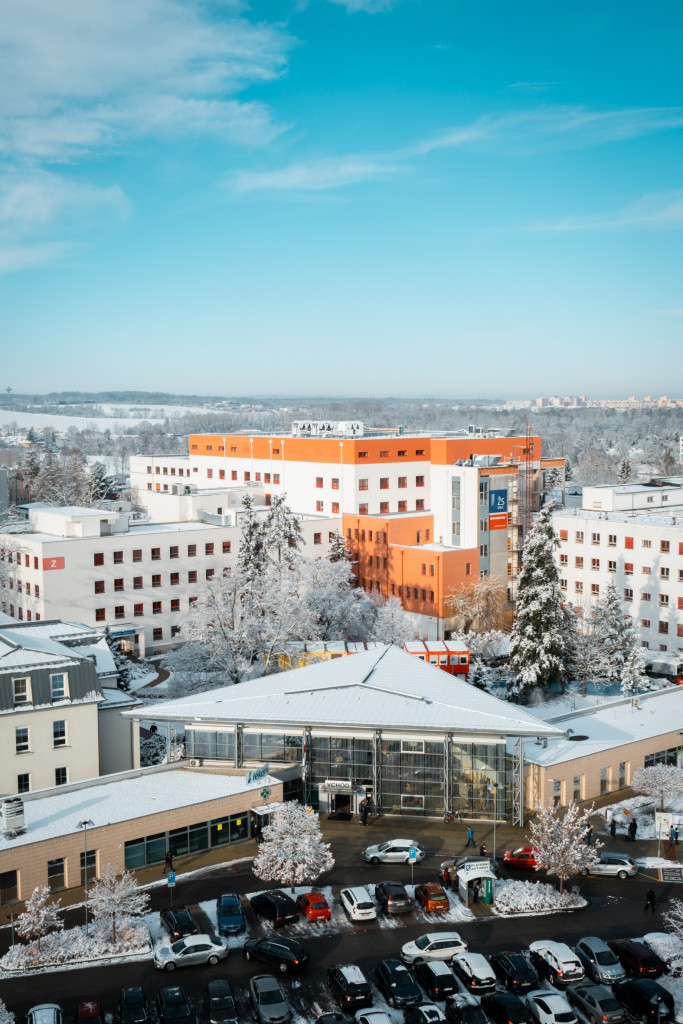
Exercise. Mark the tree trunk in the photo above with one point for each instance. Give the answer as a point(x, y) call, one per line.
point(561, 885)
point(113, 928)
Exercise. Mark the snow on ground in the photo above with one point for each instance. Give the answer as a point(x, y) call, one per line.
point(642, 808)
point(668, 948)
point(654, 862)
point(73, 948)
point(528, 898)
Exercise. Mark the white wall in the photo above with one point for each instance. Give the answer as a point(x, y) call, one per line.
point(80, 755)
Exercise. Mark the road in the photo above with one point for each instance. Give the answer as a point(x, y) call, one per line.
point(615, 909)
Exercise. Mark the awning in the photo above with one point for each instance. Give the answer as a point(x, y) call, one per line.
point(267, 808)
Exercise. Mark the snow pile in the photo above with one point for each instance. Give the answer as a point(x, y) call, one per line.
point(668, 948)
point(74, 946)
point(517, 897)
point(641, 808)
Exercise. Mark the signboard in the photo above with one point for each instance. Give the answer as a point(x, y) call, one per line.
point(53, 563)
point(171, 879)
point(337, 786)
point(663, 822)
point(265, 793)
point(498, 510)
point(412, 853)
point(257, 774)
point(670, 875)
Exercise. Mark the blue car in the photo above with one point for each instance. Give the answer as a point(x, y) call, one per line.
point(230, 914)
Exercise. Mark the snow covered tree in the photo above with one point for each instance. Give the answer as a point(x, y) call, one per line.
point(98, 484)
point(537, 641)
point(39, 917)
point(251, 556)
point(31, 470)
point(559, 841)
point(568, 470)
point(293, 852)
point(633, 677)
point(113, 897)
point(6, 1016)
point(582, 659)
point(477, 674)
point(338, 548)
point(392, 625)
point(625, 471)
point(489, 646)
point(614, 635)
point(477, 607)
point(338, 609)
point(282, 532)
point(663, 782)
point(673, 920)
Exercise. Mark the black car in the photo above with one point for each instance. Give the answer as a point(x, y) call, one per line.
point(133, 1007)
point(173, 1006)
point(506, 1008)
point(645, 1000)
point(331, 1018)
point(178, 922)
point(287, 954)
point(459, 1010)
point(397, 984)
point(426, 1013)
point(515, 971)
point(393, 898)
point(349, 986)
point(436, 978)
point(276, 906)
point(218, 1002)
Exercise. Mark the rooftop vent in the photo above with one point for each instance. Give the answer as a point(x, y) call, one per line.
point(13, 817)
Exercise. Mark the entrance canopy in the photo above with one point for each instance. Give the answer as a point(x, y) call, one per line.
point(265, 809)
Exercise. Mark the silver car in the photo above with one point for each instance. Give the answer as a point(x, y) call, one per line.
point(193, 949)
point(269, 1001)
point(599, 962)
point(396, 851)
point(611, 863)
point(45, 1013)
point(597, 1004)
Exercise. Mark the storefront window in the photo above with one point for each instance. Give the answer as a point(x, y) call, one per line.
point(155, 848)
point(219, 744)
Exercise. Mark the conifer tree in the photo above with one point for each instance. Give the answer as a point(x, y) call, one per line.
point(251, 557)
point(633, 677)
point(282, 532)
point(338, 549)
point(615, 635)
point(625, 471)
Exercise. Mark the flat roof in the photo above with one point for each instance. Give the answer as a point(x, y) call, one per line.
point(386, 688)
point(646, 517)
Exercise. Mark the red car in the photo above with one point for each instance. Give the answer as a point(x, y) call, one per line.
point(314, 906)
point(89, 1013)
point(522, 857)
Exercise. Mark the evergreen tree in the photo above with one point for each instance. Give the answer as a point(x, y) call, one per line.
point(625, 471)
point(582, 649)
point(633, 677)
point(338, 548)
point(282, 533)
point(251, 556)
point(31, 436)
point(568, 470)
point(615, 635)
point(98, 484)
point(537, 638)
point(477, 674)
point(31, 471)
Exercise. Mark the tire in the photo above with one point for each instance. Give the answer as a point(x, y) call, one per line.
point(584, 871)
point(169, 966)
point(284, 967)
point(417, 960)
point(623, 875)
point(213, 960)
point(391, 1001)
point(247, 954)
point(374, 860)
point(592, 1020)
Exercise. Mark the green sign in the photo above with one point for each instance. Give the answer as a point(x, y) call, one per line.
point(265, 793)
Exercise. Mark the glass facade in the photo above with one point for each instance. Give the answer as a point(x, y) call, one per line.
point(271, 746)
point(188, 839)
point(219, 743)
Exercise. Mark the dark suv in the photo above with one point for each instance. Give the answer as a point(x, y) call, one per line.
point(396, 983)
point(133, 1008)
point(173, 1006)
point(349, 986)
point(515, 971)
point(645, 1000)
point(393, 898)
point(276, 906)
point(178, 922)
point(636, 958)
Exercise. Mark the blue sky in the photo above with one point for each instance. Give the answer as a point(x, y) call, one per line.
point(449, 197)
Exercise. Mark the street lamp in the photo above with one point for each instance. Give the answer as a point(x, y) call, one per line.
point(85, 825)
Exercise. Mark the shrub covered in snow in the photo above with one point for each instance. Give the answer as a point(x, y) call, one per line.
point(6, 1016)
point(74, 945)
point(516, 897)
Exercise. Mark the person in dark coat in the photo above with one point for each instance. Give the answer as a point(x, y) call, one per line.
point(650, 900)
point(632, 829)
point(482, 850)
point(168, 862)
point(613, 828)
point(445, 877)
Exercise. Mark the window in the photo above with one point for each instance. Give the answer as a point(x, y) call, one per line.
point(24, 783)
point(419, 451)
point(628, 542)
point(175, 604)
point(138, 610)
point(384, 507)
point(362, 455)
point(137, 554)
point(22, 690)
point(595, 564)
point(628, 568)
point(98, 558)
point(317, 538)
point(564, 559)
point(403, 481)
point(664, 547)
point(564, 534)
point(578, 536)
point(362, 509)
point(431, 596)
point(209, 574)
point(192, 576)
point(363, 485)
point(137, 582)
point(335, 483)
point(276, 478)
point(595, 588)
point(664, 573)
point(384, 483)
point(663, 627)
point(21, 739)
point(247, 477)
point(175, 579)
point(173, 552)
point(664, 600)
point(61, 776)
point(209, 474)
point(227, 547)
point(318, 481)
point(644, 543)
point(319, 506)
point(604, 781)
point(645, 597)
point(645, 623)
point(156, 581)
point(595, 538)
point(119, 611)
point(335, 508)
point(100, 615)
point(208, 549)
point(419, 505)
point(578, 587)
point(118, 557)
point(611, 567)
point(175, 630)
point(645, 570)
point(191, 550)
point(419, 481)
point(59, 733)
point(578, 561)
point(99, 586)
point(403, 451)
point(233, 474)
point(156, 554)
point(36, 590)
point(157, 633)
point(88, 866)
point(611, 540)
point(563, 584)
point(628, 594)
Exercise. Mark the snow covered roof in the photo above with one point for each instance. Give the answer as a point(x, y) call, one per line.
point(56, 812)
point(113, 697)
point(52, 642)
point(380, 689)
point(612, 724)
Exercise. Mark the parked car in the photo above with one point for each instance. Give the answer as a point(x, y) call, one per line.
point(636, 958)
point(218, 1002)
point(506, 1008)
point(432, 897)
point(133, 1007)
point(425, 1013)
point(600, 962)
point(433, 946)
point(193, 949)
point(514, 971)
point(645, 1000)
point(178, 922)
point(314, 906)
point(372, 1017)
point(173, 1006)
point(275, 906)
point(522, 857)
point(474, 971)
point(597, 1004)
point(556, 961)
point(89, 1012)
point(392, 898)
point(269, 1001)
point(337, 1018)
point(45, 1013)
point(396, 851)
point(349, 986)
point(229, 914)
point(610, 862)
point(396, 983)
point(286, 954)
point(358, 903)
point(436, 978)
point(550, 1007)
point(462, 1009)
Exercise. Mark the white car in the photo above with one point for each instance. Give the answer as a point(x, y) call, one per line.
point(550, 1007)
point(433, 946)
point(556, 962)
point(474, 971)
point(45, 1013)
point(358, 903)
point(193, 949)
point(396, 851)
point(373, 1017)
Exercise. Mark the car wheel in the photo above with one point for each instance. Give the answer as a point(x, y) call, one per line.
point(247, 954)
point(284, 966)
point(584, 871)
point(418, 960)
point(623, 875)
point(374, 860)
point(169, 966)
point(213, 960)
point(391, 1001)
point(592, 1020)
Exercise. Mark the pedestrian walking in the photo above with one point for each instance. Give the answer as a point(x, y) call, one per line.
point(470, 838)
point(613, 828)
point(632, 829)
point(676, 835)
point(589, 835)
point(445, 877)
point(672, 835)
point(364, 813)
point(650, 900)
point(482, 850)
point(168, 862)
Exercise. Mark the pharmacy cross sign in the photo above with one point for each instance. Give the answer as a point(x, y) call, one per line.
point(265, 793)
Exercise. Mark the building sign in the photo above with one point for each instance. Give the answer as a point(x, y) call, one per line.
point(498, 510)
point(53, 563)
point(257, 774)
point(337, 786)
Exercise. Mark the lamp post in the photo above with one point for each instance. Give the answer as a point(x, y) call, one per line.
point(85, 825)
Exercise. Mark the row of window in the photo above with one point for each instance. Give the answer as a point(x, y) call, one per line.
point(22, 737)
point(100, 586)
point(56, 872)
point(155, 553)
point(320, 507)
point(20, 587)
point(164, 470)
point(22, 692)
point(12, 556)
point(363, 508)
point(20, 613)
point(612, 540)
point(375, 560)
point(384, 482)
point(139, 609)
point(409, 593)
point(380, 536)
point(187, 839)
point(646, 570)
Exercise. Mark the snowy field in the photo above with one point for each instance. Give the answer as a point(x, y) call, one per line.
point(116, 417)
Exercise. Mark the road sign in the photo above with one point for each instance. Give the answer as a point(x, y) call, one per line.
point(412, 853)
point(170, 877)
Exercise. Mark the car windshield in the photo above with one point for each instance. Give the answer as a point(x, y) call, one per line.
point(437, 896)
point(609, 1004)
point(357, 988)
point(564, 1018)
point(649, 961)
point(606, 958)
point(130, 1014)
point(222, 1002)
point(473, 1015)
point(175, 1011)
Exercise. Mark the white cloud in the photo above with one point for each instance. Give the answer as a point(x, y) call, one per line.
point(367, 6)
point(317, 176)
point(658, 211)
